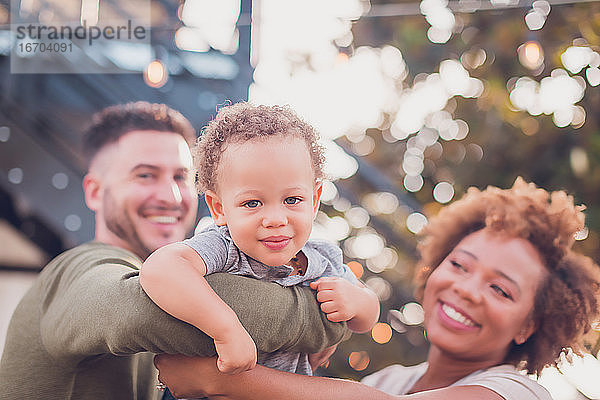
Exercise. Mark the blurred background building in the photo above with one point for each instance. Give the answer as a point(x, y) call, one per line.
point(415, 102)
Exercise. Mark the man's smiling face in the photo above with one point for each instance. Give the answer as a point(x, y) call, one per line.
point(145, 196)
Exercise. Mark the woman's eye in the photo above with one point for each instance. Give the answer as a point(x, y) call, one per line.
point(146, 175)
point(501, 292)
point(457, 265)
point(252, 204)
point(292, 200)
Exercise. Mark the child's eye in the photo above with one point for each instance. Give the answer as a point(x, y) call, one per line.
point(501, 291)
point(251, 204)
point(292, 200)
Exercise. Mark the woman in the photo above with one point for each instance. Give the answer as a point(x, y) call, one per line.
point(502, 291)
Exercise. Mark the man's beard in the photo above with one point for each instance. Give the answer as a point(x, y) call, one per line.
point(118, 222)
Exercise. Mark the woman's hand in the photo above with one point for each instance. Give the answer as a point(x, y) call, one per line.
point(189, 376)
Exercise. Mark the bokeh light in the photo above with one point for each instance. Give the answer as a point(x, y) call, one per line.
point(582, 372)
point(575, 58)
point(381, 287)
point(415, 222)
point(365, 245)
point(413, 183)
point(530, 126)
point(536, 17)
point(413, 313)
point(441, 19)
point(359, 360)
point(443, 192)
point(386, 259)
point(190, 39)
point(356, 268)
point(341, 204)
point(329, 192)
point(381, 333)
point(579, 161)
point(555, 94)
point(381, 202)
point(15, 175)
point(593, 76)
point(396, 319)
point(156, 74)
point(531, 55)
point(212, 23)
point(358, 217)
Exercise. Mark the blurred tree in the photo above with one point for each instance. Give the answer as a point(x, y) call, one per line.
point(503, 141)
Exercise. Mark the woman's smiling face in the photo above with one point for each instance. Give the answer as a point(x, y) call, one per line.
point(480, 298)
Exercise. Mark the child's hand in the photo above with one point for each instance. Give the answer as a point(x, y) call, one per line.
point(338, 298)
point(237, 353)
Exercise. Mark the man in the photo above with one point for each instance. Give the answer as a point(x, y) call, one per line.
point(82, 331)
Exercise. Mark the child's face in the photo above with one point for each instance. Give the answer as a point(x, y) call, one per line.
point(267, 196)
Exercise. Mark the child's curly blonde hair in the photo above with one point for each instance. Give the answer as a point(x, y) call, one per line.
point(567, 301)
point(242, 122)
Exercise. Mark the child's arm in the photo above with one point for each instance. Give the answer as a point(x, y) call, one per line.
point(344, 301)
point(173, 277)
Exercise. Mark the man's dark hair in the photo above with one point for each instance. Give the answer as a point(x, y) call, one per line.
point(111, 123)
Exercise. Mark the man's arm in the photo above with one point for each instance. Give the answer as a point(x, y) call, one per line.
point(104, 310)
point(174, 278)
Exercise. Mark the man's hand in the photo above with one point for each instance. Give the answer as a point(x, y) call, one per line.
point(236, 350)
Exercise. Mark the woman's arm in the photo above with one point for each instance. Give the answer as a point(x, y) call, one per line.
point(196, 377)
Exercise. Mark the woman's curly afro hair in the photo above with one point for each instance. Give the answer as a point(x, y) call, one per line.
point(567, 301)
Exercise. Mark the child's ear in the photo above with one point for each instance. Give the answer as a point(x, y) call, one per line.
point(215, 206)
point(317, 196)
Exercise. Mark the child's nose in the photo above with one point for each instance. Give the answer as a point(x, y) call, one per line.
point(274, 218)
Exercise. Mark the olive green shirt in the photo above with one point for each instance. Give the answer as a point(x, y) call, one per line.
point(84, 328)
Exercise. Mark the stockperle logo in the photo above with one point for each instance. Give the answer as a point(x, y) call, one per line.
point(84, 36)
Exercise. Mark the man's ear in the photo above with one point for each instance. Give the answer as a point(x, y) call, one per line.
point(215, 206)
point(317, 196)
point(525, 332)
point(92, 192)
